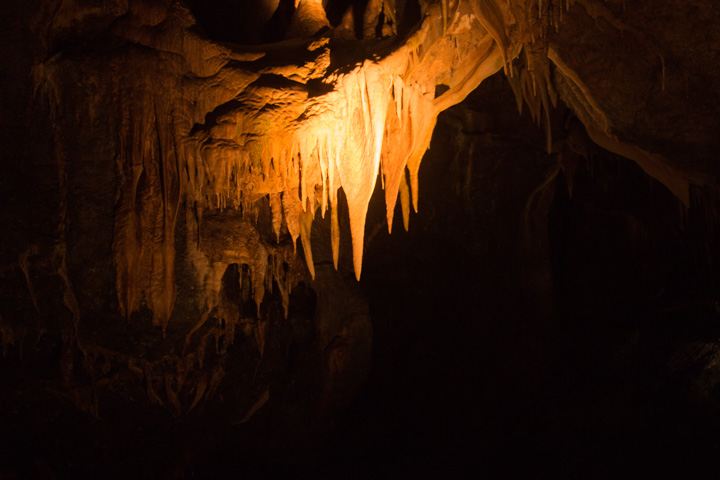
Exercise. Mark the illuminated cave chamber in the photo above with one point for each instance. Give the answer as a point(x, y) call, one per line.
point(212, 176)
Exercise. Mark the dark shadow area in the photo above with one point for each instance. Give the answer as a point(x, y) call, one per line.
point(571, 350)
point(243, 22)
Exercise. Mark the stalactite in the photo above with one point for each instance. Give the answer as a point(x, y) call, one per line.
point(488, 14)
point(246, 132)
point(366, 95)
point(373, 121)
point(677, 181)
point(292, 209)
point(306, 219)
point(335, 236)
point(405, 201)
point(276, 212)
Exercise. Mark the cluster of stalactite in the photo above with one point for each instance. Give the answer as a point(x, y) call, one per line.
point(226, 133)
point(210, 128)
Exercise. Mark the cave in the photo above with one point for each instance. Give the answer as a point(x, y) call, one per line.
point(359, 239)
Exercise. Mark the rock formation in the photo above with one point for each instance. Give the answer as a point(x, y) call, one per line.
point(168, 167)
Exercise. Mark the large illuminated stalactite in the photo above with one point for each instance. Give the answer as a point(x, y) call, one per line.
point(278, 141)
